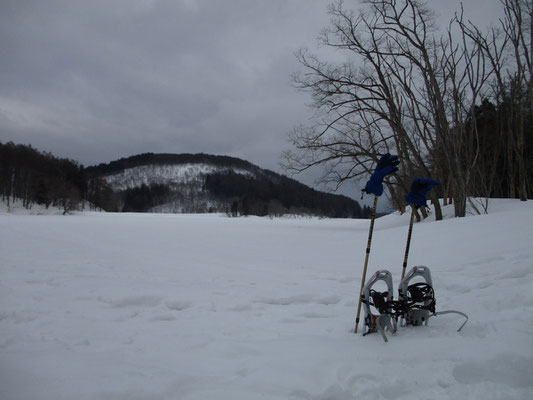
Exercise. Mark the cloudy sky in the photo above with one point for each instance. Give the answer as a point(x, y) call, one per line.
point(102, 79)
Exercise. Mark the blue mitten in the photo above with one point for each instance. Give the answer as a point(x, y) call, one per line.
point(387, 165)
point(419, 189)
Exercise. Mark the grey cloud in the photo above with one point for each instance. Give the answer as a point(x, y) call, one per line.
point(98, 80)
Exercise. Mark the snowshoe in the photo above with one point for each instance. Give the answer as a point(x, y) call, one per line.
point(381, 302)
point(418, 299)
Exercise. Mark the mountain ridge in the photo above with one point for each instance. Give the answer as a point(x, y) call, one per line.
point(168, 158)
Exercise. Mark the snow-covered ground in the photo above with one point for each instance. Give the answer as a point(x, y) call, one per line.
point(151, 306)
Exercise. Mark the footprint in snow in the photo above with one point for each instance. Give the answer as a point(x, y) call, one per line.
point(518, 272)
point(178, 305)
point(285, 301)
point(314, 315)
point(329, 300)
point(298, 299)
point(488, 260)
point(349, 279)
point(458, 288)
point(241, 308)
point(132, 301)
point(511, 370)
point(163, 318)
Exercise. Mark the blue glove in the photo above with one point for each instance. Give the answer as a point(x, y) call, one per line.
point(387, 165)
point(419, 188)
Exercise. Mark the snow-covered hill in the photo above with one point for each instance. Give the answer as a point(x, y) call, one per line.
point(151, 306)
point(201, 183)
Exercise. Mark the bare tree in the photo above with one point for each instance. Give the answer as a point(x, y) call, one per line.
point(404, 88)
point(518, 19)
point(508, 49)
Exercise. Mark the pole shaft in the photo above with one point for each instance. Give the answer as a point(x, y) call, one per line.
point(411, 222)
point(363, 279)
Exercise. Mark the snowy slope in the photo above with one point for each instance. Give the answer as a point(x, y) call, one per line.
point(151, 306)
point(186, 180)
point(173, 175)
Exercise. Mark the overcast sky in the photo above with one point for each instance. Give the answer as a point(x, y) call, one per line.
point(96, 80)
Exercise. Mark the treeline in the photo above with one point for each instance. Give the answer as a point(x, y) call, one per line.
point(143, 198)
point(278, 195)
point(505, 160)
point(40, 178)
point(35, 177)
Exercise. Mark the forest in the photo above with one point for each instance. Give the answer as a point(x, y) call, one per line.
point(35, 177)
point(278, 195)
point(31, 176)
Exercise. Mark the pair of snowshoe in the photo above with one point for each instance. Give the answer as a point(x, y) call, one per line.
point(414, 306)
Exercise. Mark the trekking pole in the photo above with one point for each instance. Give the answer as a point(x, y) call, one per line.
point(387, 164)
point(363, 279)
point(416, 198)
point(411, 223)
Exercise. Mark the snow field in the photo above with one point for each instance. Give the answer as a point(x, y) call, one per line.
point(151, 306)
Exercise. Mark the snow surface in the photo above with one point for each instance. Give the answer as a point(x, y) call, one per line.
point(151, 306)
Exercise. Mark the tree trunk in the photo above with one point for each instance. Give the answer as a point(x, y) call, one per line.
point(459, 204)
point(436, 203)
